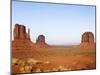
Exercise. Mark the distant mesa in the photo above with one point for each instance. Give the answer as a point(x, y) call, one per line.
point(40, 41)
point(87, 40)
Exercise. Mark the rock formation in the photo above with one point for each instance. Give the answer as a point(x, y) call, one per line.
point(22, 42)
point(20, 33)
point(87, 40)
point(40, 41)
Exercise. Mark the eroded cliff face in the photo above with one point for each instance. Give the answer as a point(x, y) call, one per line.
point(20, 32)
point(22, 42)
point(40, 41)
point(87, 40)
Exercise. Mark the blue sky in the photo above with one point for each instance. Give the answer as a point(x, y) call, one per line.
point(62, 24)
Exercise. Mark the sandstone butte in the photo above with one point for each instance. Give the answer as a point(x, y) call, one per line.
point(87, 40)
point(40, 41)
point(22, 42)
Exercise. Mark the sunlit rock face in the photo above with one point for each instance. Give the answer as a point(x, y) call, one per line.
point(22, 43)
point(87, 40)
point(20, 32)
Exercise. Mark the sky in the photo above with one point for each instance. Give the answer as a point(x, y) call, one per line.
point(61, 24)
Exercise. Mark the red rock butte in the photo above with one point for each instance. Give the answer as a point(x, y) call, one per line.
point(40, 41)
point(87, 40)
point(22, 42)
point(20, 33)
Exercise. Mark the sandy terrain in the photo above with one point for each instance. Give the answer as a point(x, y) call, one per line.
point(57, 58)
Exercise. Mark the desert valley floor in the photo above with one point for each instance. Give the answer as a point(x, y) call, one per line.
point(57, 58)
